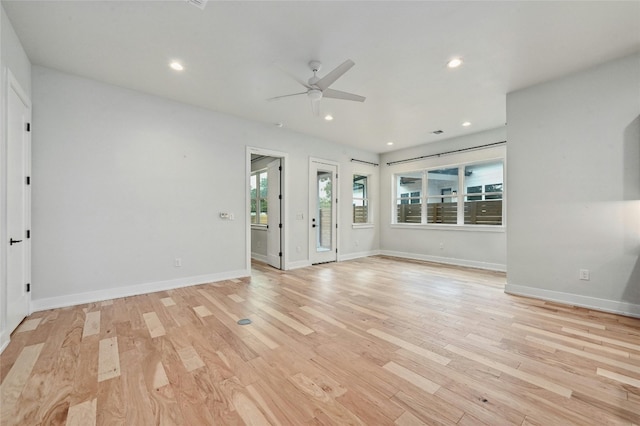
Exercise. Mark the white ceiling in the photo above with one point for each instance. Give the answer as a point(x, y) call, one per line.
point(232, 50)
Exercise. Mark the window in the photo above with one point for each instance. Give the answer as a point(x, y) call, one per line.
point(442, 189)
point(408, 201)
point(259, 207)
point(479, 203)
point(484, 181)
point(361, 199)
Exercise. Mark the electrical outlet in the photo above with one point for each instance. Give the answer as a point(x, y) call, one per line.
point(584, 274)
point(178, 262)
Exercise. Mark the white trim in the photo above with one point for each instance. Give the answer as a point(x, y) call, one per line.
point(259, 257)
point(5, 338)
point(312, 204)
point(299, 264)
point(447, 260)
point(605, 305)
point(284, 163)
point(133, 290)
point(357, 255)
point(362, 225)
point(451, 227)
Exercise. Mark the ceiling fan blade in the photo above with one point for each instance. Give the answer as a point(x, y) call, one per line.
point(275, 98)
point(304, 83)
point(337, 72)
point(338, 94)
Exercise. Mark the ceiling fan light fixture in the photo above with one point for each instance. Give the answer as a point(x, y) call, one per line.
point(314, 94)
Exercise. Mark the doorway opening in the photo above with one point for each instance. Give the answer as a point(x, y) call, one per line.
point(323, 200)
point(266, 205)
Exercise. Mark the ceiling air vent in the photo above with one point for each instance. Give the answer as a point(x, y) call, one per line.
point(198, 3)
point(437, 132)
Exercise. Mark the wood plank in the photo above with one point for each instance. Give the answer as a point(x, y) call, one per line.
point(153, 324)
point(91, 324)
point(14, 382)
point(168, 301)
point(411, 377)
point(410, 346)
point(619, 377)
point(190, 358)
point(108, 359)
point(530, 378)
point(29, 325)
point(83, 414)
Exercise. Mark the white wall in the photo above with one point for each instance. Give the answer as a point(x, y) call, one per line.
point(485, 248)
point(574, 188)
point(125, 182)
point(12, 57)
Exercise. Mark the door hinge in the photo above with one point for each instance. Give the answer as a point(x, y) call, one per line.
point(280, 225)
point(280, 168)
point(336, 251)
point(280, 254)
point(28, 233)
point(279, 196)
point(336, 176)
point(28, 287)
point(27, 127)
point(28, 180)
point(336, 226)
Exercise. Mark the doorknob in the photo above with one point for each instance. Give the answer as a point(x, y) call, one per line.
point(12, 241)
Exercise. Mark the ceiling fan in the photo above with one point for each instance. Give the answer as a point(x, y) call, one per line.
point(318, 88)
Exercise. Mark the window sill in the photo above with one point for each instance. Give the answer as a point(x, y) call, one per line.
point(258, 227)
point(466, 228)
point(362, 225)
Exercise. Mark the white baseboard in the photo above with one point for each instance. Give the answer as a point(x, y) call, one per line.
point(299, 264)
point(605, 305)
point(4, 340)
point(447, 260)
point(259, 257)
point(358, 255)
point(134, 290)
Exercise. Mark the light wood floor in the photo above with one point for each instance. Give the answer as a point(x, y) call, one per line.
point(376, 341)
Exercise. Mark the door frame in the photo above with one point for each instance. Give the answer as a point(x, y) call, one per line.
point(284, 206)
point(311, 211)
point(12, 84)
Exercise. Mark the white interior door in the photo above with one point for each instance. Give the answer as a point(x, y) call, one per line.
point(323, 193)
point(274, 221)
point(18, 204)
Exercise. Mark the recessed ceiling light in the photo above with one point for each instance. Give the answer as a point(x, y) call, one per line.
point(454, 63)
point(466, 124)
point(176, 66)
point(389, 143)
point(328, 117)
point(278, 124)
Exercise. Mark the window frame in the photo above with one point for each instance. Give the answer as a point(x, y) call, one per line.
point(258, 198)
point(461, 195)
point(368, 199)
